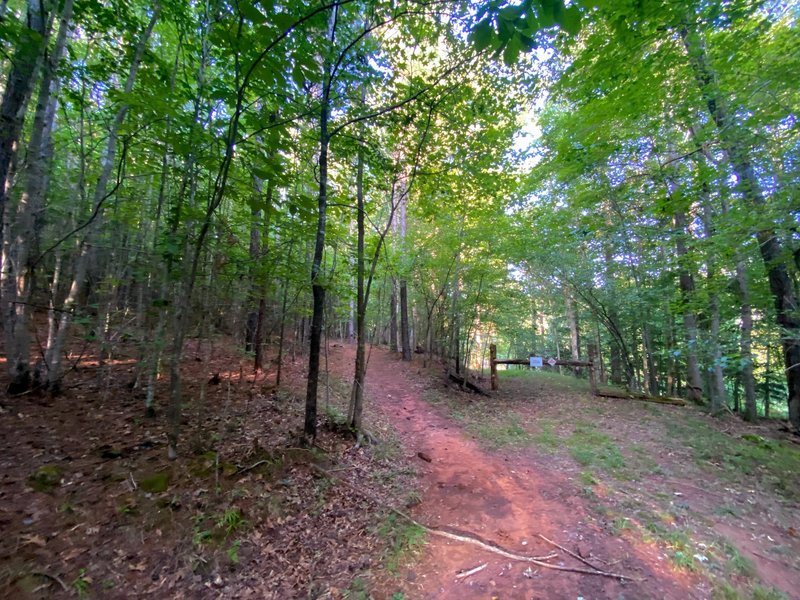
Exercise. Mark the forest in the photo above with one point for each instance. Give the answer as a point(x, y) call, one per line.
point(252, 185)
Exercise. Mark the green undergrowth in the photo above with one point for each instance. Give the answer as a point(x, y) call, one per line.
point(592, 448)
point(567, 381)
point(494, 426)
point(774, 463)
point(403, 540)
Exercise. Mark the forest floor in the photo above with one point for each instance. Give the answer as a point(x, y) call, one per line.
point(685, 505)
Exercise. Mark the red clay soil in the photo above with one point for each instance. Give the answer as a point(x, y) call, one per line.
point(505, 499)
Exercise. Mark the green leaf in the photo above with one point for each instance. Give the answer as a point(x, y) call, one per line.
point(510, 13)
point(571, 20)
point(284, 20)
point(482, 35)
point(252, 13)
point(512, 50)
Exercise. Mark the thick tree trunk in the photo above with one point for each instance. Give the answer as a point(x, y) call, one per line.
point(781, 285)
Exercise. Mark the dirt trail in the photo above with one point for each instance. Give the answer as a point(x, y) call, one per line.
point(506, 499)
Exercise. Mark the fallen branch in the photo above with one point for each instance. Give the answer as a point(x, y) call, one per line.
point(471, 571)
point(468, 539)
point(570, 552)
point(609, 393)
point(55, 578)
point(251, 467)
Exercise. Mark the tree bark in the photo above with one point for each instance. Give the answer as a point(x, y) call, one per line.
point(393, 317)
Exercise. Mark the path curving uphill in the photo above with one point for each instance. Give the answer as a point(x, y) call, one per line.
point(503, 498)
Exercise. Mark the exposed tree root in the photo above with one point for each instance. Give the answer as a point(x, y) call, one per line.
point(469, 539)
point(54, 578)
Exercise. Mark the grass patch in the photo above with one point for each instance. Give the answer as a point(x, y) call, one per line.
point(774, 463)
point(546, 437)
point(569, 382)
point(495, 425)
point(763, 593)
point(403, 539)
point(678, 543)
point(591, 448)
point(506, 433)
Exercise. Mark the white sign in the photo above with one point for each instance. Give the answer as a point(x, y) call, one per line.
point(551, 362)
point(536, 361)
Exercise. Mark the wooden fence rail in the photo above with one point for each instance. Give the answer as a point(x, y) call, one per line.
point(589, 364)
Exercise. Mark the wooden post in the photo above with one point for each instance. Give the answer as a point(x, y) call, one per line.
point(592, 374)
point(493, 364)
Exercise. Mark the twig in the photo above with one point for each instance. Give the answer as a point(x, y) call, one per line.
point(251, 467)
point(471, 571)
point(572, 554)
point(55, 578)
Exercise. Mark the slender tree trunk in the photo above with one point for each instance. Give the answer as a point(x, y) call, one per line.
point(16, 95)
point(53, 353)
point(733, 138)
point(282, 329)
point(393, 317)
point(27, 229)
point(694, 380)
point(745, 342)
point(317, 286)
point(574, 331)
point(405, 335)
point(357, 395)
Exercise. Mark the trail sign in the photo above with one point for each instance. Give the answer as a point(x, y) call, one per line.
point(536, 361)
point(552, 362)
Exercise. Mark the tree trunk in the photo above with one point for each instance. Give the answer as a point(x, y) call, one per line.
point(405, 334)
point(17, 288)
point(745, 342)
point(781, 285)
point(16, 95)
point(393, 317)
point(357, 393)
point(574, 331)
point(317, 287)
point(694, 380)
point(53, 353)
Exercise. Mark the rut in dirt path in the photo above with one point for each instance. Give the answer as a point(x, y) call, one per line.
point(506, 499)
